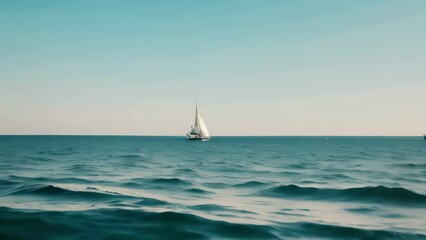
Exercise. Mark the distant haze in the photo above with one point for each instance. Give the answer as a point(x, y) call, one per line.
point(254, 67)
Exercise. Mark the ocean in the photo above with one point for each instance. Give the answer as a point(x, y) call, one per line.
point(130, 187)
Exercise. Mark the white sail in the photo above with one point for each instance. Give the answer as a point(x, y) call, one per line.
point(202, 127)
point(199, 129)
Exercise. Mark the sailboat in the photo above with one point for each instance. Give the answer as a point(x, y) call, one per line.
point(198, 130)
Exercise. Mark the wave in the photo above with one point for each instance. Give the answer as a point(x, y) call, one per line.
point(197, 191)
point(216, 185)
point(289, 173)
point(6, 187)
point(131, 156)
point(302, 165)
point(7, 183)
point(159, 184)
point(335, 176)
point(186, 171)
point(379, 194)
point(366, 210)
point(59, 152)
point(51, 191)
point(375, 211)
point(151, 202)
point(169, 181)
point(115, 224)
point(249, 184)
point(209, 207)
point(219, 208)
point(311, 230)
point(57, 180)
point(411, 165)
point(80, 168)
point(92, 195)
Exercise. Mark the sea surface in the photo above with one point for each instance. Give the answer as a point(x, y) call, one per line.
point(113, 187)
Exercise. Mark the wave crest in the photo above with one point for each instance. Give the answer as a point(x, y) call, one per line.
point(368, 194)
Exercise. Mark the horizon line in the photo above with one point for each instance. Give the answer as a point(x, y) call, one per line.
point(134, 135)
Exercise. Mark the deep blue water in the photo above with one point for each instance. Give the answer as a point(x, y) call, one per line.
point(100, 187)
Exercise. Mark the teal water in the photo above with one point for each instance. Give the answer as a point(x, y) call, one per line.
point(101, 187)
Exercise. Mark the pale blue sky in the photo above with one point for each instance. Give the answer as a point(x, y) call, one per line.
point(290, 67)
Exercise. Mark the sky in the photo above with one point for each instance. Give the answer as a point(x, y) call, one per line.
point(289, 67)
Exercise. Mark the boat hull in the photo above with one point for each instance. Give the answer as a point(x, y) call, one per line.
point(199, 138)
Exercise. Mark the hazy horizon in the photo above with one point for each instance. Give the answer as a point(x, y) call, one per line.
point(256, 68)
point(183, 136)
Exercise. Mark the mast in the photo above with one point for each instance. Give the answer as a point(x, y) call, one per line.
point(196, 124)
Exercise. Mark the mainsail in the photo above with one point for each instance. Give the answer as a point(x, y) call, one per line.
point(202, 129)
